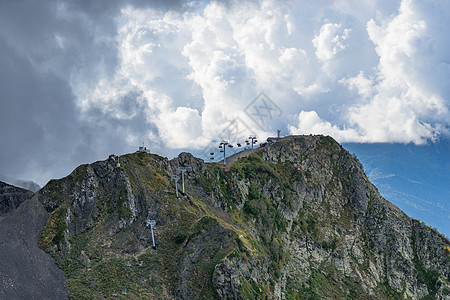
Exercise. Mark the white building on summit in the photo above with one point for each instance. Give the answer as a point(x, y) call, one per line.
point(143, 148)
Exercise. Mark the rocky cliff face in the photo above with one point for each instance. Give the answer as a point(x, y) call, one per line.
point(296, 220)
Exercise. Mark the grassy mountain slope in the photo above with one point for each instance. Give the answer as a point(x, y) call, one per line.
point(296, 220)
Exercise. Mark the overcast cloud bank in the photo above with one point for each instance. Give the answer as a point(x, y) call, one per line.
point(80, 80)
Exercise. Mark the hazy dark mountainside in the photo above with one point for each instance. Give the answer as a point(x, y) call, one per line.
point(296, 220)
point(24, 184)
point(26, 272)
point(11, 197)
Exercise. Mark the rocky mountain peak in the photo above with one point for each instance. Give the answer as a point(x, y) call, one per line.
point(298, 219)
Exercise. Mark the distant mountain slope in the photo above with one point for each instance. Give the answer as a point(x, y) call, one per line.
point(296, 220)
point(26, 272)
point(11, 197)
point(25, 184)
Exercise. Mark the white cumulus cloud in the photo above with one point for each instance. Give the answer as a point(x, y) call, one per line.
point(376, 75)
point(93, 78)
point(310, 122)
point(330, 41)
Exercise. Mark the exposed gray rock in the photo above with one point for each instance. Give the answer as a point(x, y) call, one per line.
point(210, 240)
point(226, 280)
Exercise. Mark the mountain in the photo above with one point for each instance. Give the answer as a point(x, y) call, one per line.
point(11, 197)
point(296, 220)
point(413, 177)
point(25, 184)
point(26, 272)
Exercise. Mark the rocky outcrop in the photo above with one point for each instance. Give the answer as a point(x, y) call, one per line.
point(209, 243)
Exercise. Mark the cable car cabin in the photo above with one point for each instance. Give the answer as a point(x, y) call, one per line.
point(263, 145)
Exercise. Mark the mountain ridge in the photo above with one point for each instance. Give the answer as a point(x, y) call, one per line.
point(296, 220)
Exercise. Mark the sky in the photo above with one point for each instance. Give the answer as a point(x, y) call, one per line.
point(80, 80)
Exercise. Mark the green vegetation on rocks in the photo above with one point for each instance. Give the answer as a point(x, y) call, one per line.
point(296, 220)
